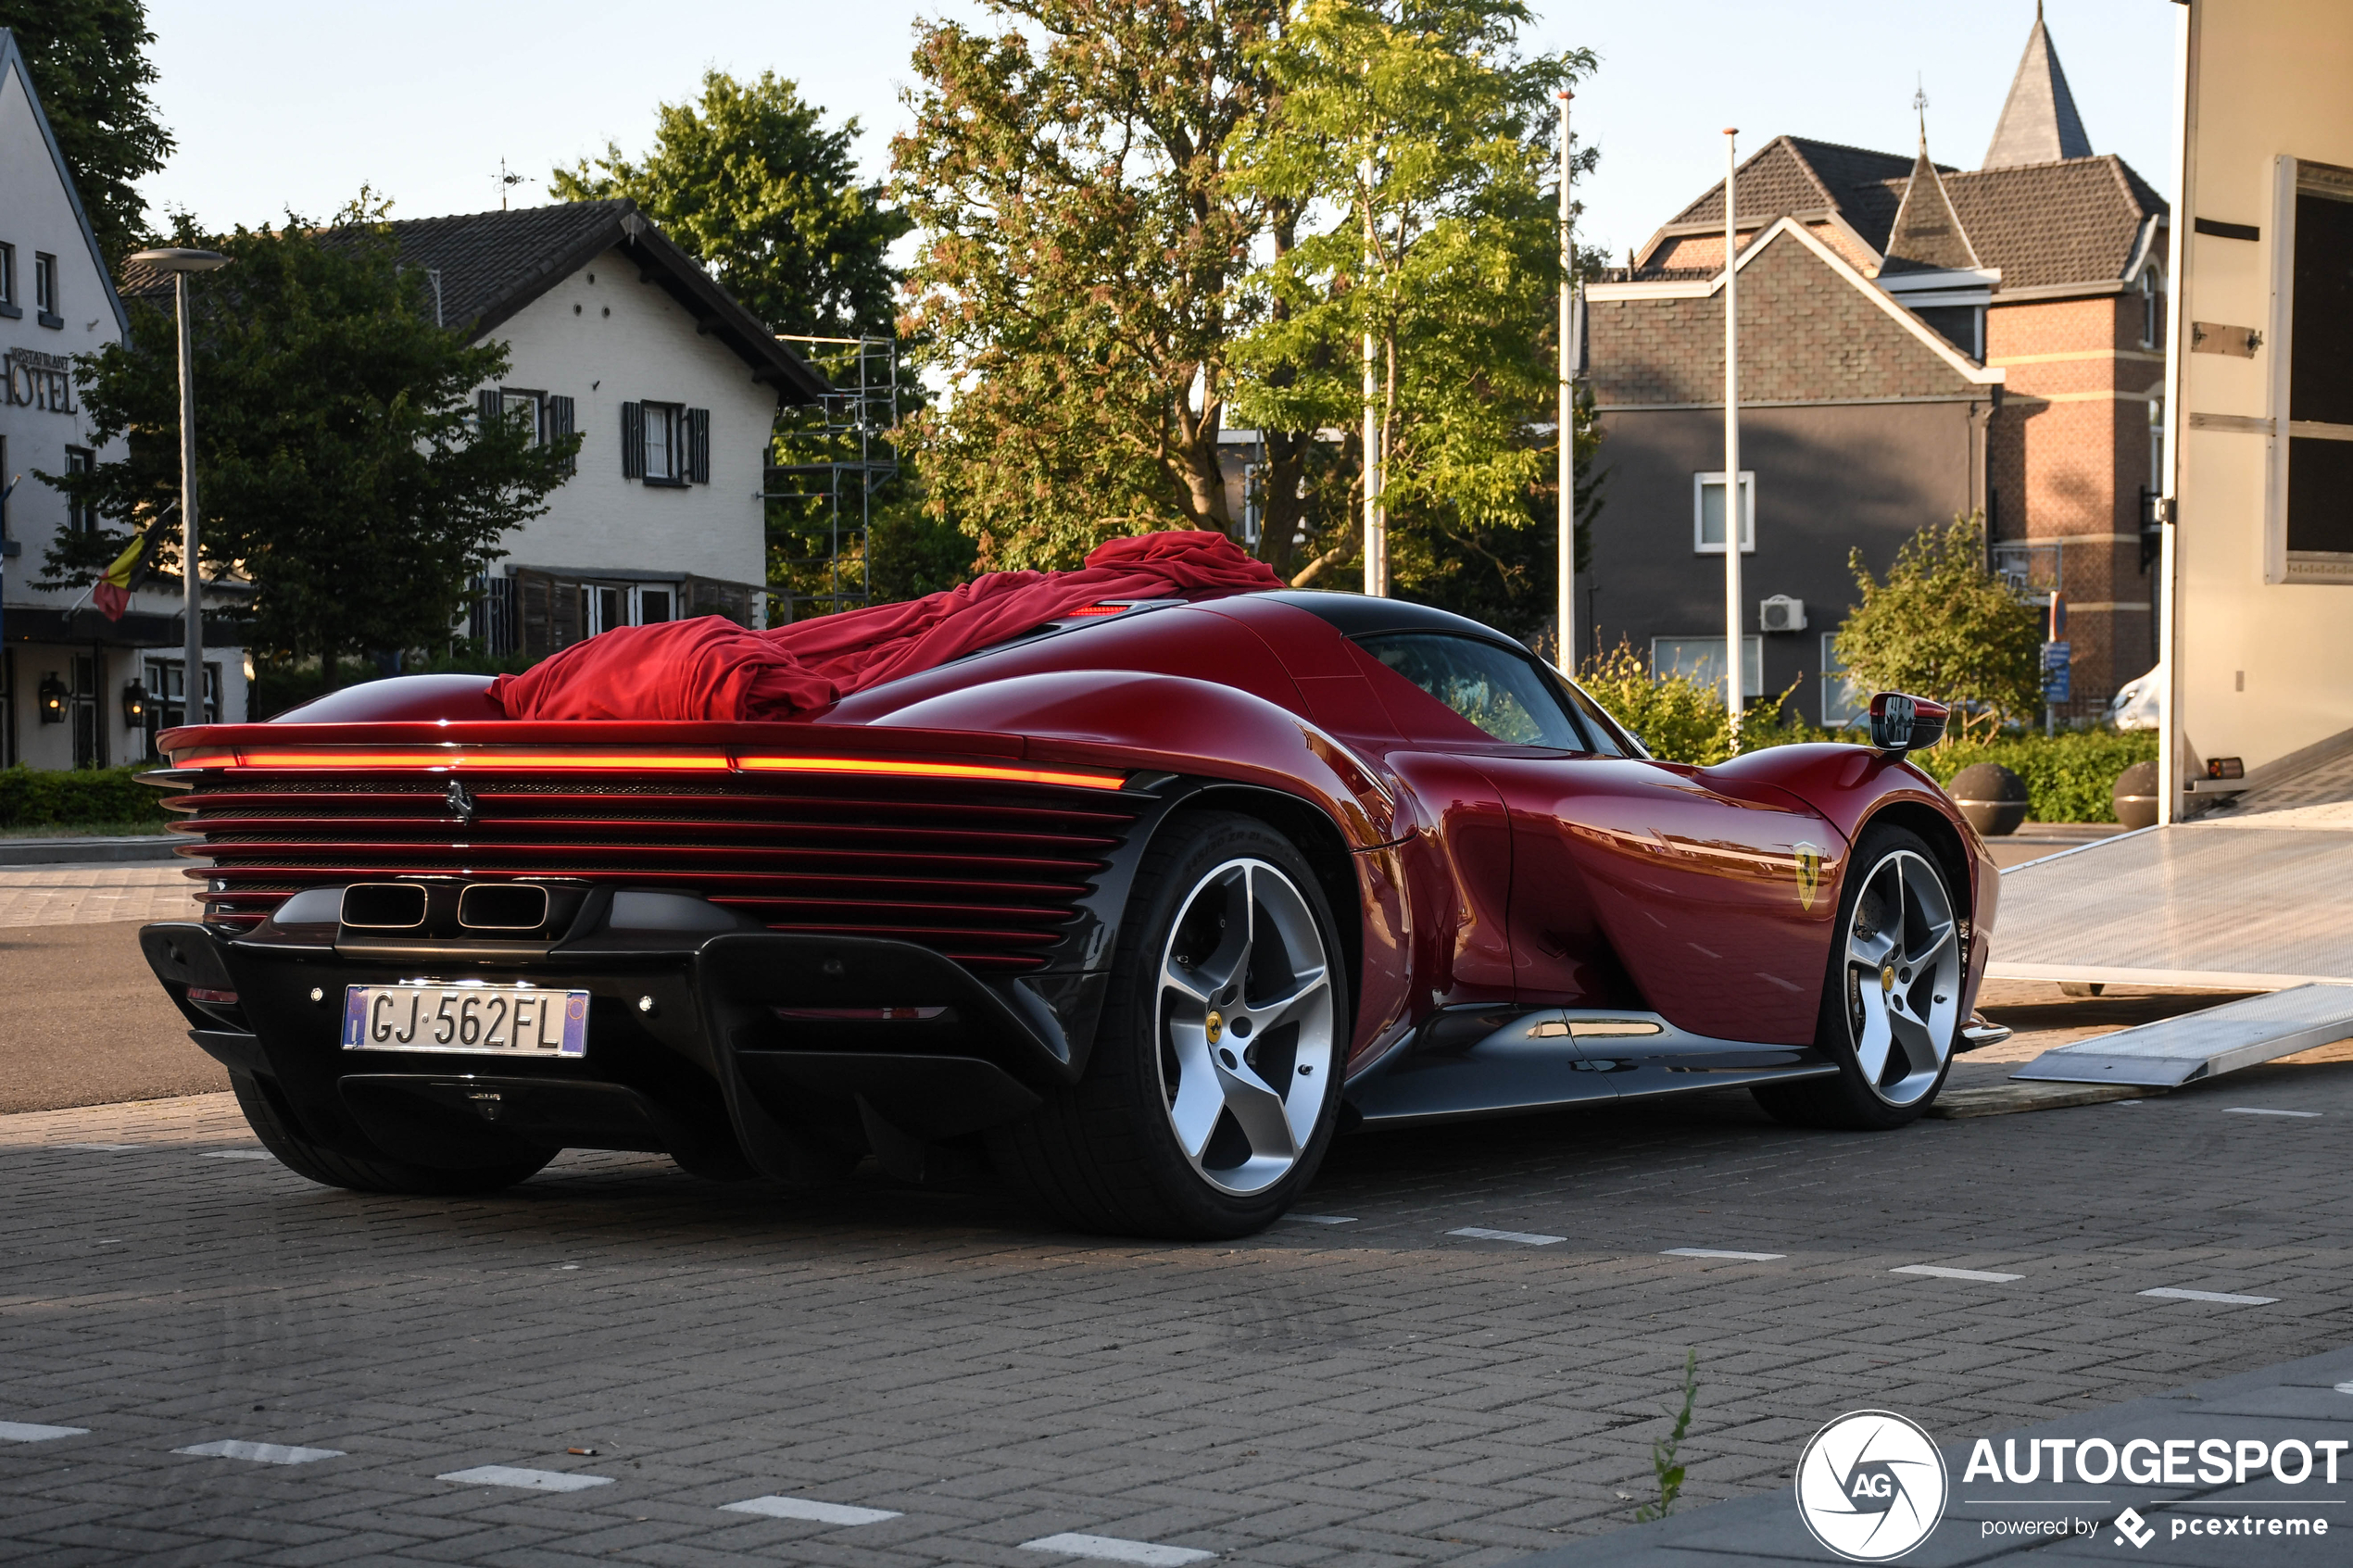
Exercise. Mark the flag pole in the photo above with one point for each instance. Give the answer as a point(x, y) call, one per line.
point(1565, 610)
point(1732, 509)
point(1375, 516)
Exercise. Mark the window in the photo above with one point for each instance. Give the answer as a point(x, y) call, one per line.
point(83, 710)
point(1843, 702)
point(1609, 737)
point(661, 444)
point(2313, 541)
point(666, 444)
point(45, 289)
point(2157, 446)
point(607, 605)
point(523, 409)
point(1701, 661)
point(168, 696)
point(1963, 326)
point(1492, 686)
point(8, 302)
point(1707, 513)
point(81, 516)
point(2152, 308)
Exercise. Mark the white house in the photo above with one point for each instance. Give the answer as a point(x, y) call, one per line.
point(73, 684)
point(612, 331)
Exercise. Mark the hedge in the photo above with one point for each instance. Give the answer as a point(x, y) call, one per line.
point(2070, 777)
point(110, 797)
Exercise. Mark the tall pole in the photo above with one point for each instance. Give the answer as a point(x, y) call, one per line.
point(192, 646)
point(1732, 650)
point(1376, 518)
point(1566, 609)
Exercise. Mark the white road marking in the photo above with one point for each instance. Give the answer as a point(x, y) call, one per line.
point(1325, 1219)
point(2344, 1387)
point(260, 1453)
point(2171, 1294)
point(237, 1154)
point(1111, 1549)
point(1718, 1252)
point(28, 1432)
point(2262, 1110)
point(1936, 1272)
point(99, 1148)
point(528, 1480)
point(1479, 1233)
point(803, 1508)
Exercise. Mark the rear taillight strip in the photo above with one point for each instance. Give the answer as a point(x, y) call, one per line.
point(525, 760)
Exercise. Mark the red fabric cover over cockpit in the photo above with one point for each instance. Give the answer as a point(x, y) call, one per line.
point(713, 669)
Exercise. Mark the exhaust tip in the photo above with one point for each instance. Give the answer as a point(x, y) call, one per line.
point(384, 905)
point(502, 905)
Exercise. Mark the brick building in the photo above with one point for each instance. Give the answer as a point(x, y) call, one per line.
point(1916, 341)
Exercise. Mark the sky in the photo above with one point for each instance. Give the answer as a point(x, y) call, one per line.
point(293, 105)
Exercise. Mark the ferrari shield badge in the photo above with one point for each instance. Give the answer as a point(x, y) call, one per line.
point(1809, 873)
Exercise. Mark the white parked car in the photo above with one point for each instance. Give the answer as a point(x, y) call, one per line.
point(2134, 708)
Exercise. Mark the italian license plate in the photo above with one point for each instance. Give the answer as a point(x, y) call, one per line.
point(466, 1016)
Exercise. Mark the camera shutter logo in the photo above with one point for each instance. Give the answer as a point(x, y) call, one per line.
point(1871, 1486)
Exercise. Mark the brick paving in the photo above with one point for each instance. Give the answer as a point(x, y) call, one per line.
point(1376, 1392)
point(91, 894)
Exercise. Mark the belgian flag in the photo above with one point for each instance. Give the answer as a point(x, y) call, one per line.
point(112, 592)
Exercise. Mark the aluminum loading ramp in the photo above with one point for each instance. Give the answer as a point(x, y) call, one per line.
point(2253, 902)
point(2222, 1039)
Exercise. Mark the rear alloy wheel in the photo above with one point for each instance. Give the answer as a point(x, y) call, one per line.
point(1213, 1087)
point(1891, 1006)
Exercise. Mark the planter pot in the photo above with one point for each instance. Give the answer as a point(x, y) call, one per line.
point(2135, 796)
point(1990, 797)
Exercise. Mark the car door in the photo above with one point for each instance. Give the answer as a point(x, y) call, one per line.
point(1634, 883)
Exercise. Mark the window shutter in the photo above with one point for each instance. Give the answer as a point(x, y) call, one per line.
point(698, 446)
point(486, 409)
point(632, 441)
point(560, 425)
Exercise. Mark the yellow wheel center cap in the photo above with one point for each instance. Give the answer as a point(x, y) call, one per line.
point(1217, 1025)
point(1887, 978)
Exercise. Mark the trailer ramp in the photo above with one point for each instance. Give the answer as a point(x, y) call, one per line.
point(2173, 1051)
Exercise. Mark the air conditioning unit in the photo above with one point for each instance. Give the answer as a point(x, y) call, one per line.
point(1781, 613)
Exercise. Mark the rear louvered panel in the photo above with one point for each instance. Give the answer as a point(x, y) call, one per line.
point(987, 873)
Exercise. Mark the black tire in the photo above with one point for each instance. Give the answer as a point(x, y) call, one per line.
point(274, 1128)
point(1850, 1100)
point(1105, 1154)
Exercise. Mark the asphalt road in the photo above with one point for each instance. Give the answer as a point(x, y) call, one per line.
point(84, 1022)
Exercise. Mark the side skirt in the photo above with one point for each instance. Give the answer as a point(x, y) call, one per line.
point(1554, 1057)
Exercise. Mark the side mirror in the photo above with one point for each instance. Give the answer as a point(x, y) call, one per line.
point(1906, 724)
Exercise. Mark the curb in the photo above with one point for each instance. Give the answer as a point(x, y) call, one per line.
point(88, 852)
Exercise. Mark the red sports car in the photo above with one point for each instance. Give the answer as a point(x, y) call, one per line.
point(1146, 902)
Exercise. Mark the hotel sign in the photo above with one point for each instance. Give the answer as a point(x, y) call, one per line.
point(35, 380)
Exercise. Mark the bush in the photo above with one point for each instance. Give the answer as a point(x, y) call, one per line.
point(91, 798)
point(1942, 623)
point(2070, 777)
point(1682, 720)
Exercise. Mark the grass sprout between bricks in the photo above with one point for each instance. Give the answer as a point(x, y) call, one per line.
point(1664, 1464)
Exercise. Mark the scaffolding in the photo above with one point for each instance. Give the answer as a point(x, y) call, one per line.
point(853, 426)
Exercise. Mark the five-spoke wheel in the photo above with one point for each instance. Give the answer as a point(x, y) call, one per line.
point(1245, 1027)
point(1212, 1088)
point(1892, 1000)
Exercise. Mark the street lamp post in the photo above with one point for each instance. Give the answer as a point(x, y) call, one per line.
point(1733, 516)
point(1565, 607)
point(180, 263)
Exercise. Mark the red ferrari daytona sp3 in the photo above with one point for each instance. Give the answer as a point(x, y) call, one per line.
point(1146, 902)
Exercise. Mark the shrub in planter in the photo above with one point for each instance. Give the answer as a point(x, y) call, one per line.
point(36, 798)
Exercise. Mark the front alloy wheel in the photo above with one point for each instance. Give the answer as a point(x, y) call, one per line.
point(1903, 978)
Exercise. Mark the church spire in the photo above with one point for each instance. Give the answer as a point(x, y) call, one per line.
point(2039, 123)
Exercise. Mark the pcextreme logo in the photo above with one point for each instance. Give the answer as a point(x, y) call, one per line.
point(1870, 1485)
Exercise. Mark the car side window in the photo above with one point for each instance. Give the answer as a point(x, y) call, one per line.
point(1497, 690)
point(1610, 738)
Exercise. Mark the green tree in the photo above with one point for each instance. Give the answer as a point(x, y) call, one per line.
point(340, 463)
point(1944, 627)
point(89, 64)
point(1416, 141)
point(752, 184)
point(1079, 279)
